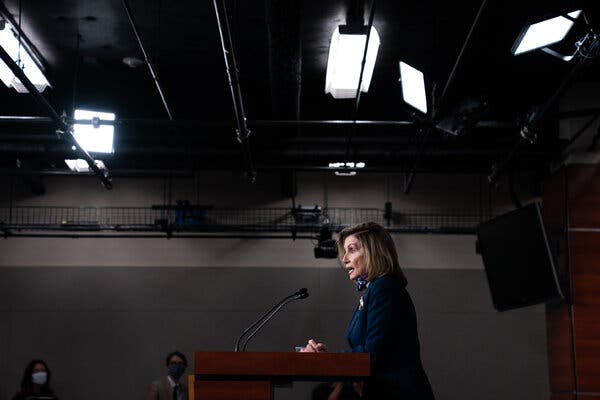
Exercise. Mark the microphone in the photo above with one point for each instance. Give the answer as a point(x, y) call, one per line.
point(300, 294)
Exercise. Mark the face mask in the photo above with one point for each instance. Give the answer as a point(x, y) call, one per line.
point(176, 371)
point(39, 378)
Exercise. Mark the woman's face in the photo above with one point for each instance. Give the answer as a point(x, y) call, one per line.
point(354, 258)
point(39, 368)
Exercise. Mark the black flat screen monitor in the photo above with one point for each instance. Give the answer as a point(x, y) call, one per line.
point(517, 259)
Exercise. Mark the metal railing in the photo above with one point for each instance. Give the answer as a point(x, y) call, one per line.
point(191, 218)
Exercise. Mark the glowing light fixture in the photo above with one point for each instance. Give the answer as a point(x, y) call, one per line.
point(413, 87)
point(346, 168)
point(345, 173)
point(80, 165)
point(544, 33)
point(345, 59)
point(96, 136)
point(19, 52)
point(347, 165)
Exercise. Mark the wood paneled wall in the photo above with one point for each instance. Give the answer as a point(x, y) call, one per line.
point(571, 205)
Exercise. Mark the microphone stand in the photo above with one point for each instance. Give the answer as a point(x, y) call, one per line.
point(301, 294)
point(288, 300)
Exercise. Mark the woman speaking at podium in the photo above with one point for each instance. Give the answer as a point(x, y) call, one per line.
point(384, 323)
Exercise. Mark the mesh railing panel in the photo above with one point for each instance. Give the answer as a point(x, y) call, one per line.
point(231, 219)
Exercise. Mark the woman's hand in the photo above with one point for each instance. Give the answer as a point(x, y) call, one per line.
point(314, 347)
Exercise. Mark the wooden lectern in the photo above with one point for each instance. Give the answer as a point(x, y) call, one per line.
point(251, 376)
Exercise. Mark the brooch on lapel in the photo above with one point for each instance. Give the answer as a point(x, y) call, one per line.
point(361, 283)
point(361, 303)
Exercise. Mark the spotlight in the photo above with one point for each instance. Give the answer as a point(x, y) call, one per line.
point(326, 246)
point(345, 59)
point(95, 136)
point(544, 33)
point(582, 41)
point(413, 87)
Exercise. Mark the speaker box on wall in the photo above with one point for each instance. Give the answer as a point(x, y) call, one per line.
point(517, 259)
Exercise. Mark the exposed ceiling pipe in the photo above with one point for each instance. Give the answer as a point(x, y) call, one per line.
point(242, 131)
point(147, 59)
point(189, 173)
point(437, 107)
point(285, 57)
point(442, 98)
point(299, 148)
point(28, 137)
point(65, 130)
point(18, 119)
point(528, 133)
point(282, 123)
point(8, 232)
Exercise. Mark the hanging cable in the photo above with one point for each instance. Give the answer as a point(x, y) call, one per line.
point(437, 107)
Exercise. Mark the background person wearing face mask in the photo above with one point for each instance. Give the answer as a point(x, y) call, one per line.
point(172, 387)
point(35, 384)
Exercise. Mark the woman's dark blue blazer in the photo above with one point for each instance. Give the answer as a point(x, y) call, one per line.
point(385, 325)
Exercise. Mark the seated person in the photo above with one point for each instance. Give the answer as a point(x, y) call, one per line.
point(35, 384)
point(171, 387)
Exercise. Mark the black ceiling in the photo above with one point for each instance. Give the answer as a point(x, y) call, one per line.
point(281, 49)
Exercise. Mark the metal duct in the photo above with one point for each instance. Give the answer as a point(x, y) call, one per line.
point(285, 57)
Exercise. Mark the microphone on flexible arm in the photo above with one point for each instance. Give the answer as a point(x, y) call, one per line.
point(300, 294)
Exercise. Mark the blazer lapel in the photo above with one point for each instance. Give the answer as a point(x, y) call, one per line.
point(167, 391)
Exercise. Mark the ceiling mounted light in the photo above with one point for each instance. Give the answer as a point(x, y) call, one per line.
point(544, 33)
point(97, 135)
point(413, 87)
point(345, 173)
point(346, 168)
point(350, 164)
point(80, 165)
point(346, 52)
point(22, 56)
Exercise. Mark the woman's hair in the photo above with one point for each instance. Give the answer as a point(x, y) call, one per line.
point(27, 383)
point(380, 251)
point(178, 354)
